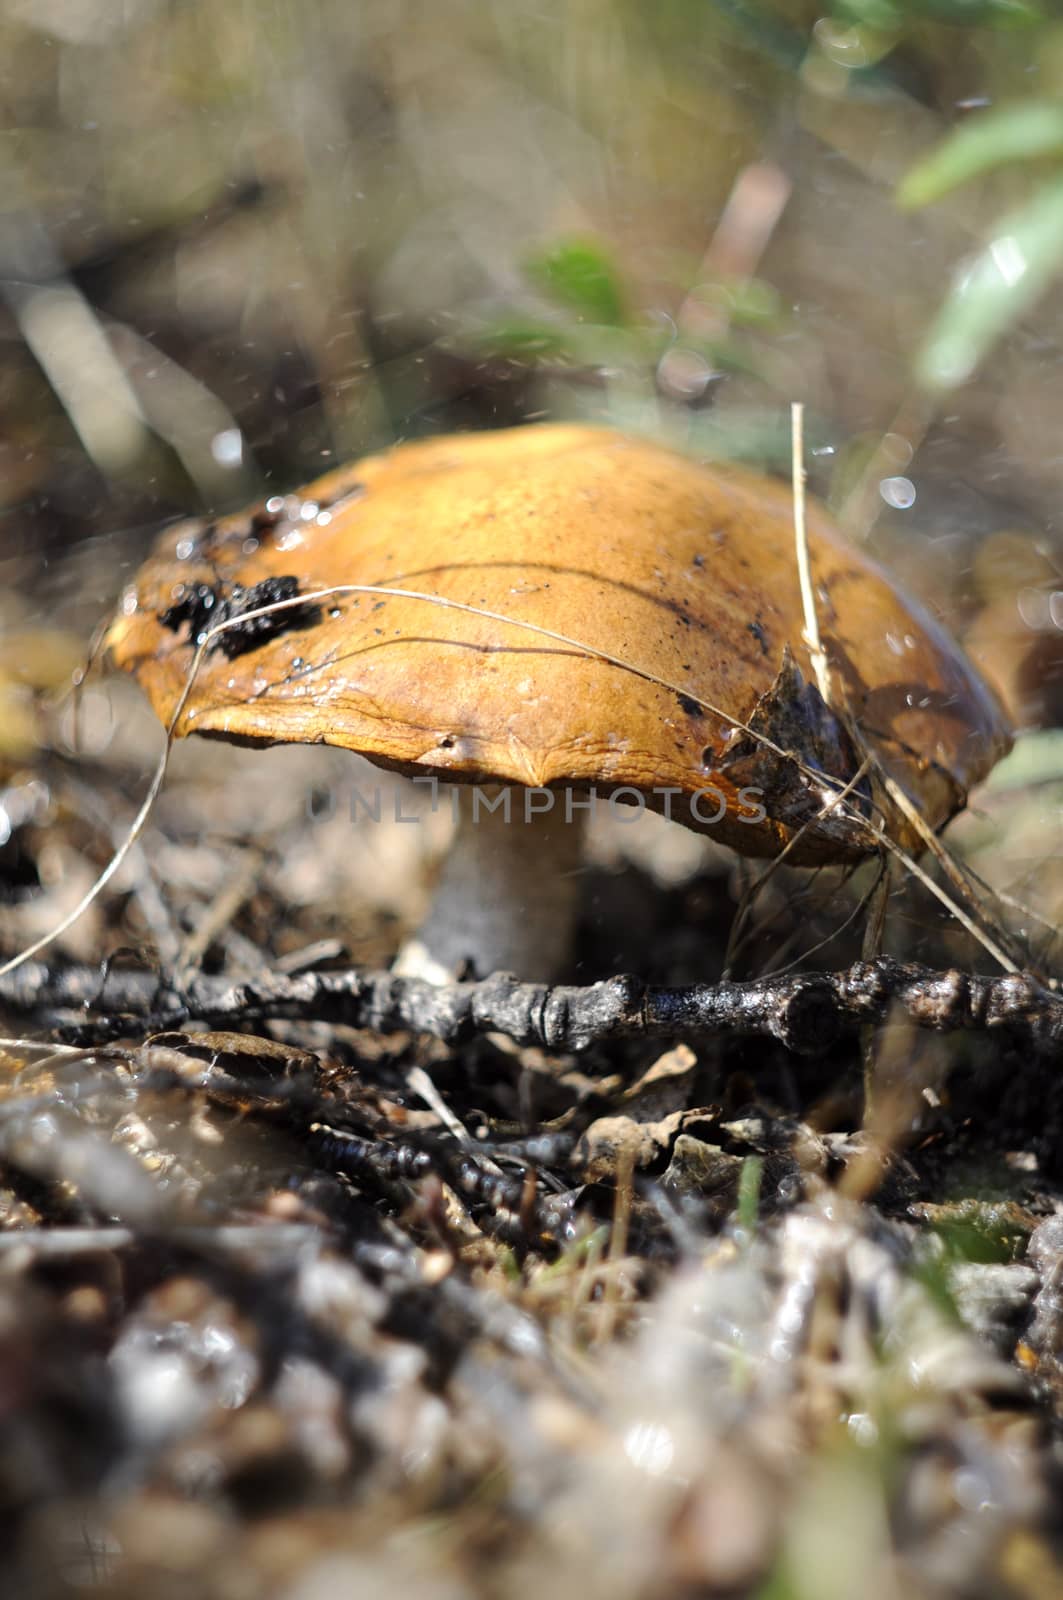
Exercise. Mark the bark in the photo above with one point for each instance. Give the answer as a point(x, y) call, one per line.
point(805, 1012)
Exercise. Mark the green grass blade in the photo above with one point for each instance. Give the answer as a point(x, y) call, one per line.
point(995, 139)
point(993, 292)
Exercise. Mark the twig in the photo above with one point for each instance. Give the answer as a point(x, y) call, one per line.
point(805, 1011)
point(421, 1084)
point(46, 1045)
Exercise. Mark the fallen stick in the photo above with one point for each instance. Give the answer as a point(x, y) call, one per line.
point(806, 1012)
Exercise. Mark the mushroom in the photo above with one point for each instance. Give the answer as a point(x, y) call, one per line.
point(612, 618)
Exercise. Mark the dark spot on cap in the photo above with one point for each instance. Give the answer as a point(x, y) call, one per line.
point(193, 603)
point(757, 630)
point(691, 707)
point(205, 606)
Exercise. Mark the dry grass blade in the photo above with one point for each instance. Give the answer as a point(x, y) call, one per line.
point(737, 939)
point(867, 899)
point(804, 569)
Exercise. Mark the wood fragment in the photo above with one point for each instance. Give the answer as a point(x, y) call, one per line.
point(806, 1012)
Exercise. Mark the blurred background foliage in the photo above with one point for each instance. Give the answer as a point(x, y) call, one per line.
point(242, 240)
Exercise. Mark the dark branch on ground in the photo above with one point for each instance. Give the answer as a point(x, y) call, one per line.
point(805, 1012)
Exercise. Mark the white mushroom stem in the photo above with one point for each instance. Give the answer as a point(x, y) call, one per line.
point(506, 899)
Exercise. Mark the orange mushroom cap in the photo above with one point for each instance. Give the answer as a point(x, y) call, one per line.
point(671, 569)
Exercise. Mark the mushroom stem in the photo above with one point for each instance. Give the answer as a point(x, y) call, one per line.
point(506, 899)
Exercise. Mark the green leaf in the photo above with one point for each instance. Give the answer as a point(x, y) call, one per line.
point(994, 139)
point(579, 274)
point(995, 290)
